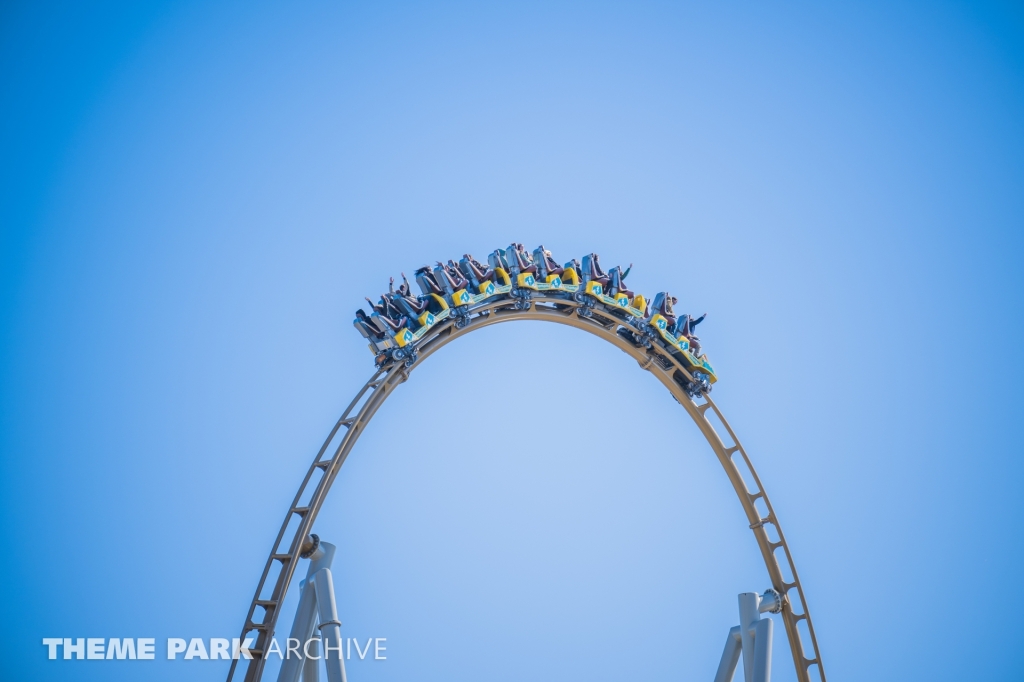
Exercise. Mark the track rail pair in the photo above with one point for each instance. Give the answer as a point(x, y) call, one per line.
point(264, 611)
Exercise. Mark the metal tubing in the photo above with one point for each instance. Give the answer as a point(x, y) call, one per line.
point(311, 664)
point(763, 650)
point(749, 616)
point(322, 558)
point(730, 656)
point(305, 620)
point(330, 626)
point(770, 602)
point(302, 630)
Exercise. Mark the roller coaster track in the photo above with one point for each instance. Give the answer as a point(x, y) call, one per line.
point(317, 483)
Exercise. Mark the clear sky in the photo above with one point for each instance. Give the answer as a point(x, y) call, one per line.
point(195, 197)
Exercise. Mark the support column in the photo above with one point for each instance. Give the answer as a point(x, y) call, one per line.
point(316, 603)
point(752, 638)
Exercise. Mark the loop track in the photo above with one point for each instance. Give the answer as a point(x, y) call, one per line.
point(657, 360)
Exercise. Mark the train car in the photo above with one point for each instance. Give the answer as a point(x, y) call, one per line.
point(681, 348)
point(379, 344)
point(405, 336)
point(486, 290)
point(568, 282)
point(491, 289)
point(439, 310)
point(636, 308)
point(446, 302)
point(527, 280)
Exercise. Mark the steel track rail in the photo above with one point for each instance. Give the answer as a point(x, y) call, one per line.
point(764, 523)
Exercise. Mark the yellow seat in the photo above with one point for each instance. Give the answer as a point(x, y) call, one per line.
point(403, 337)
point(527, 280)
point(659, 322)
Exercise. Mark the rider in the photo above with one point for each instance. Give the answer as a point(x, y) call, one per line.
point(411, 306)
point(615, 281)
point(388, 314)
point(575, 265)
point(404, 289)
point(385, 307)
point(662, 305)
point(517, 252)
point(498, 259)
point(596, 274)
point(477, 272)
point(685, 327)
point(546, 265)
point(426, 280)
point(452, 276)
point(368, 324)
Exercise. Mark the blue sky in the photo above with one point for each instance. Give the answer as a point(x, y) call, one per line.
point(196, 197)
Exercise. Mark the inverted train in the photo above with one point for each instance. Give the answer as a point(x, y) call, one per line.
point(400, 319)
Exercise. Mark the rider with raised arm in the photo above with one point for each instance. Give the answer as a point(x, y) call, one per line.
point(385, 307)
point(388, 314)
point(404, 300)
point(685, 327)
point(404, 289)
point(615, 281)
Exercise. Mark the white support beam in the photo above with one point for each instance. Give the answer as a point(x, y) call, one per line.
point(316, 604)
point(752, 639)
